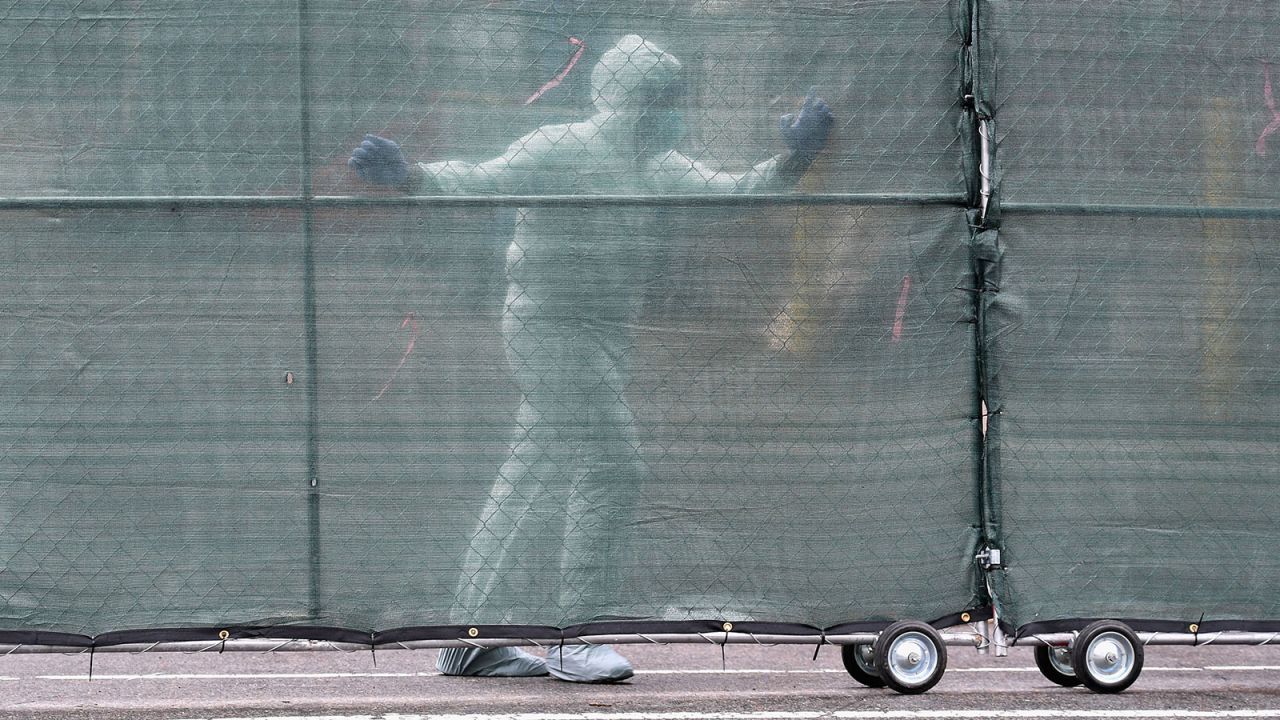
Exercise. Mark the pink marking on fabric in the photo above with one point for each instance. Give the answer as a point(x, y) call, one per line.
point(902, 308)
point(411, 323)
point(555, 81)
point(1260, 147)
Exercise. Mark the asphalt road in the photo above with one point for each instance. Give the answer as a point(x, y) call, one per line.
point(680, 682)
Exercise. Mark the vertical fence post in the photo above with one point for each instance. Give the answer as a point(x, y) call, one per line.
point(309, 314)
point(977, 129)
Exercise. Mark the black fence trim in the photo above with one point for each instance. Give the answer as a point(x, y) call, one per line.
point(1266, 626)
point(40, 637)
point(1144, 625)
point(1074, 624)
point(197, 634)
point(650, 627)
point(544, 633)
point(231, 632)
point(464, 632)
point(946, 621)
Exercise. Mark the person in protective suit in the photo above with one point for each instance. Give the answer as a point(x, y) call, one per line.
point(575, 284)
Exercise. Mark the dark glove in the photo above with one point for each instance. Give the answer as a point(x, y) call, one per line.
point(806, 133)
point(379, 161)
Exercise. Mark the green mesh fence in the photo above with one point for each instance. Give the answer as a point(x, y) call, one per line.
point(1131, 344)
point(246, 389)
point(1135, 448)
point(568, 371)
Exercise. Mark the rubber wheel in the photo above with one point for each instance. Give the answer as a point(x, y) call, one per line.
point(1055, 664)
point(1107, 656)
point(910, 656)
point(859, 661)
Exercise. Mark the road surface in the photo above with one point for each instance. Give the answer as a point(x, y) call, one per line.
point(678, 682)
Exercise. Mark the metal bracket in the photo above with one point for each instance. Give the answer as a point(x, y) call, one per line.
point(984, 168)
point(989, 558)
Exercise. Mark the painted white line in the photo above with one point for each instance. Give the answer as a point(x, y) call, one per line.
point(839, 715)
point(235, 676)
point(700, 671)
point(1020, 714)
point(763, 715)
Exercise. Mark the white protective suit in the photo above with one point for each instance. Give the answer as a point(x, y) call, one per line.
point(575, 279)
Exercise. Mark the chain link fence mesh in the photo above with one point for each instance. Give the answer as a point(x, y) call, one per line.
point(1130, 342)
point(1135, 448)
point(149, 98)
point(238, 396)
point(152, 448)
point(748, 458)
point(1147, 103)
point(243, 388)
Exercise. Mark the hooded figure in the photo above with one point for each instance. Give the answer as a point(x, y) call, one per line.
point(575, 283)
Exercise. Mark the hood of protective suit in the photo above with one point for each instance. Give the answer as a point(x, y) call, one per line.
point(621, 81)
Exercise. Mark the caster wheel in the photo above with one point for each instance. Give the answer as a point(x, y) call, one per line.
point(1055, 664)
point(859, 661)
point(1106, 656)
point(910, 657)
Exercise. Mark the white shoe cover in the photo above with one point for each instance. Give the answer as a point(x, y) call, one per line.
point(588, 664)
point(490, 662)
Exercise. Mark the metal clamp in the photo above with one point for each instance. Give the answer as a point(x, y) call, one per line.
point(989, 558)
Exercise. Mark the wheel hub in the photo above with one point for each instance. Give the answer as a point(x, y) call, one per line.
point(866, 656)
point(1060, 658)
point(912, 658)
point(1110, 657)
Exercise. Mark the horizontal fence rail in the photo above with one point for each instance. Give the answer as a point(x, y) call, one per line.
point(144, 202)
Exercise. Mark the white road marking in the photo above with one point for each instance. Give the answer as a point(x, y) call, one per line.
point(755, 671)
point(838, 715)
point(1018, 714)
point(235, 676)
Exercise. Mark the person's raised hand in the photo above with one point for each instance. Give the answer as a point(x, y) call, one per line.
point(379, 161)
point(806, 132)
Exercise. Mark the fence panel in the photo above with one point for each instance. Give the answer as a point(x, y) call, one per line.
point(152, 433)
point(761, 418)
point(1129, 335)
point(463, 81)
point(1150, 103)
point(156, 98)
point(301, 400)
point(1134, 454)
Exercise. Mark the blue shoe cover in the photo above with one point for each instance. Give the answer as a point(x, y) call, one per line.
point(588, 664)
point(490, 662)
